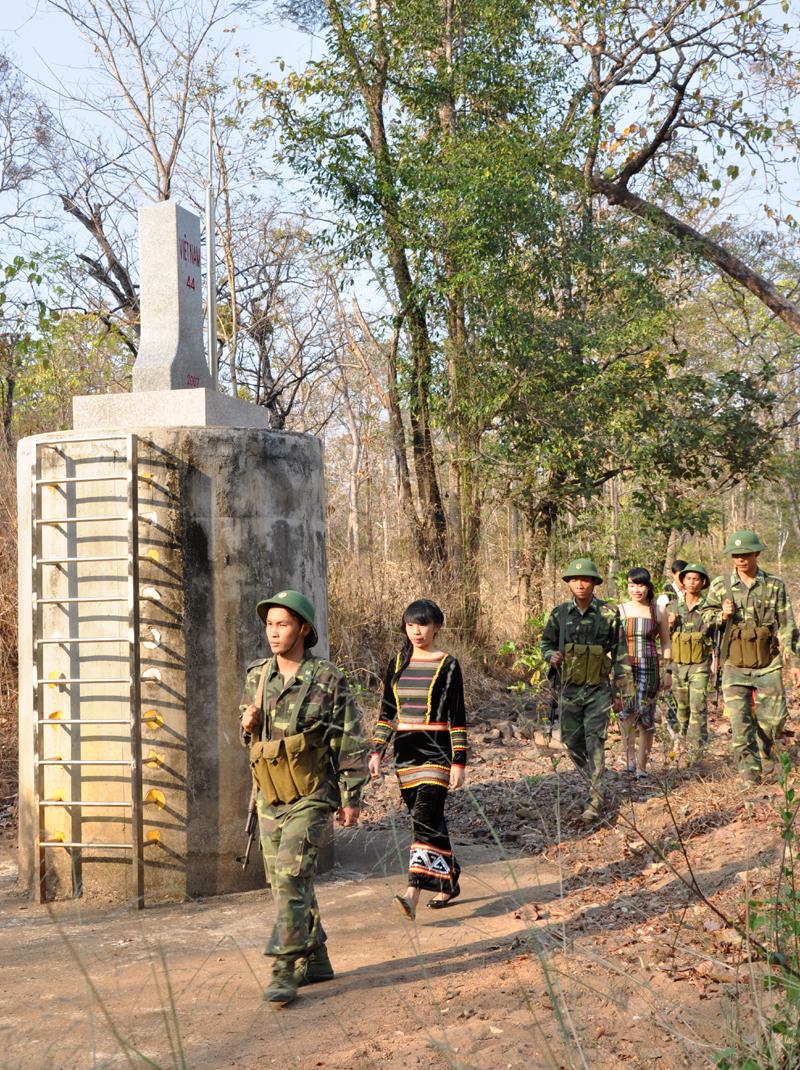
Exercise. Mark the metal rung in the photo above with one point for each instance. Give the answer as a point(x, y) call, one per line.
point(70, 560)
point(88, 639)
point(63, 601)
point(77, 802)
point(77, 519)
point(80, 478)
point(97, 846)
point(86, 720)
point(78, 680)
point(85, 761)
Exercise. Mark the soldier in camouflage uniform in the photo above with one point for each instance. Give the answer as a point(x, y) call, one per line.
point(691, 654)
point(595, 668)
point(759, 635)
point(291, 834)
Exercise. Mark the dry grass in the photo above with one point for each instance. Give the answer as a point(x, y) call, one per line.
point(367, 599)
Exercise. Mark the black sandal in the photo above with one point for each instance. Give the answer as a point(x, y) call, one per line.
point(438, 904)
point(404, 907)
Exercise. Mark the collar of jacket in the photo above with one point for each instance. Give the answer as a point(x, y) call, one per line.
point(594, 604)
point(760, 577)
point(304, 670)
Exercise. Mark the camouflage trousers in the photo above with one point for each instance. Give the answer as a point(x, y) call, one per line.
point(690, 690)
point(756, 706)
point(291, 837)
point(584, 729)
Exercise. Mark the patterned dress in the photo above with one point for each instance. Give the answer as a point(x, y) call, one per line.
point(423, 708)
point(642, 634)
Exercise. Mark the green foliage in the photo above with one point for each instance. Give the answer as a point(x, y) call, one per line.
point(528, 655)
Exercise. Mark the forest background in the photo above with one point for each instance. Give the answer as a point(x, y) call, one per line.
point(529, 270)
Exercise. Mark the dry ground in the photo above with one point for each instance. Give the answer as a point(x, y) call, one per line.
point(567, 948)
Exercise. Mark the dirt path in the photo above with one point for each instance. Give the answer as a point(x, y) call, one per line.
point(578, 948)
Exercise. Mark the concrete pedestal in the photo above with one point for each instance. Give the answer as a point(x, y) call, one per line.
point(228, 515)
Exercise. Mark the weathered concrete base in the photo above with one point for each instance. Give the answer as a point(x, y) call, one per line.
point(166, 408)
point(226, 516)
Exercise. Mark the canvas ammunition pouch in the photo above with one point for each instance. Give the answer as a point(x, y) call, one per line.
point(291, 768)
point(294, 766)
point(752, 646)
point(749, 645)
point(690, 648)
point(586, 664)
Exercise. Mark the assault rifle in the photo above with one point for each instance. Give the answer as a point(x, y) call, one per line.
point(250, 828)
point(716, 680)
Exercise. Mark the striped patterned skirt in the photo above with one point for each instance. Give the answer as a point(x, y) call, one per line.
point(642, 633)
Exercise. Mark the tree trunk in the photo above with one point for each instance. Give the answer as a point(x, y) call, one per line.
point(540, 520)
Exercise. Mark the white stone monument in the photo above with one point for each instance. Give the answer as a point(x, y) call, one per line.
point(171, 296)
point(171, 378)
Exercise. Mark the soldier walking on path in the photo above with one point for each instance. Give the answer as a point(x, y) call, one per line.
point(759, 634)
point(308, 758)
point(691, 655)
point(585, 641)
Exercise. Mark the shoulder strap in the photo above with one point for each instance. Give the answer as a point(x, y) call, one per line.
point(726, 635)
point(257, 701)
point(597, 620)
point(562, 626)
point(298, 703)
point(763, 610)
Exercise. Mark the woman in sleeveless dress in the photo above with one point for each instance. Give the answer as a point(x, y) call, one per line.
point(646, 625)
point(423, 708)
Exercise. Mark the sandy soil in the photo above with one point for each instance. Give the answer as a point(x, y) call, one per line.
point(569, 947)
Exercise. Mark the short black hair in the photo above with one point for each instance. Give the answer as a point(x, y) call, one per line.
point(678, 565)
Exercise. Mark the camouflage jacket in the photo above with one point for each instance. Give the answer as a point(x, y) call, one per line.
point(328, 705)
point(777, 612)
point(690, 620)
point(600, 625)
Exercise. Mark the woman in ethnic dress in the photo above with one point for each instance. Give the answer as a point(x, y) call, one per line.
point(646, 624)
point(423, 708)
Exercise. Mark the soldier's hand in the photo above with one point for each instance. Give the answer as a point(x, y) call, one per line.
point(728, 609)
point(348, 816)
point(556, 659)
point(374, 766)
point(251, 719)
point(795, 677)
point(673, 619)
point(616, 705)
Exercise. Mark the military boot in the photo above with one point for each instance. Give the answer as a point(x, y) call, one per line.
point(315, 967)
point(283, 987)
point(750, 777)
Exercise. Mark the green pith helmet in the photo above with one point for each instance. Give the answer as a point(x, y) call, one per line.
point(743, 542)
point(695, 566)
point(295, 601)
point(582, 567)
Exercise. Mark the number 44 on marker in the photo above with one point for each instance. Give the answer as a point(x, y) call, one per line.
point(190, 281)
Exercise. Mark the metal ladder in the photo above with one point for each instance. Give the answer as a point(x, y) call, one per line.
point(127, 595)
